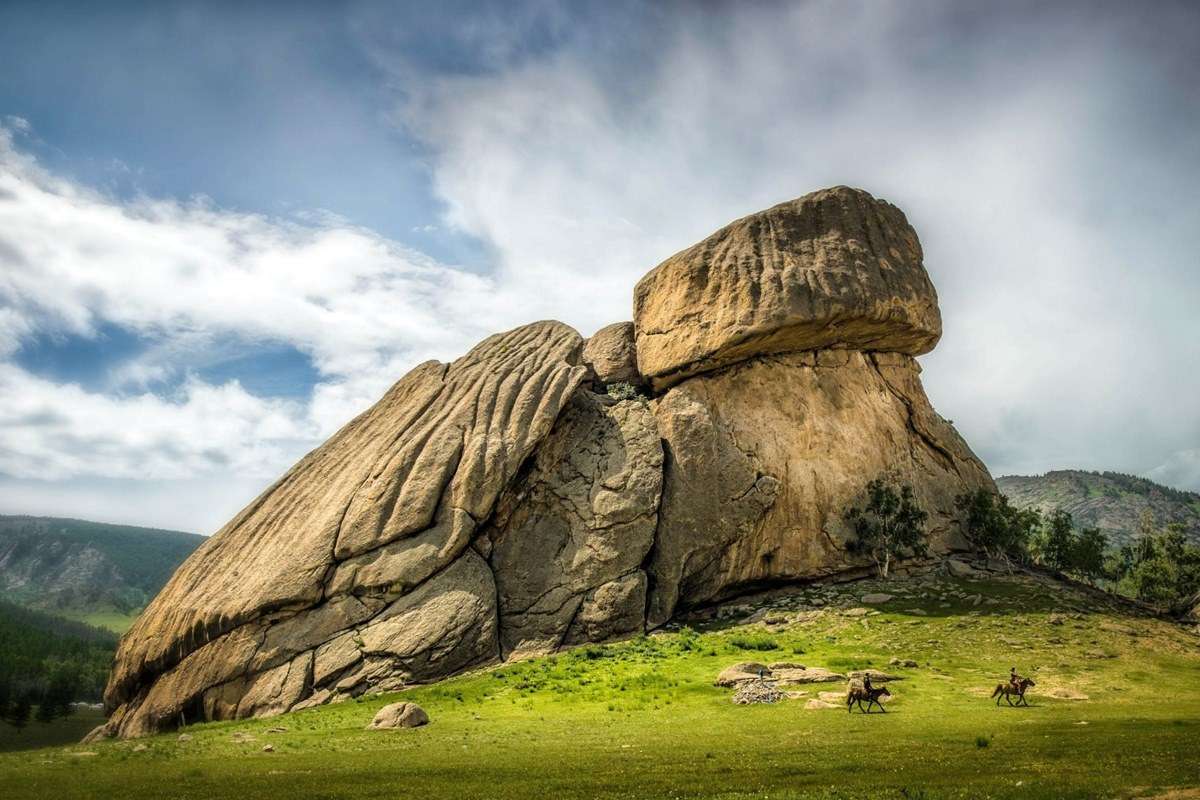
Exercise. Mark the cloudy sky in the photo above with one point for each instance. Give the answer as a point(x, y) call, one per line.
point(224, 230)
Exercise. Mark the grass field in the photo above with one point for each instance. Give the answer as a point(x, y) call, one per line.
point(61, 731)
point(642, 718)
point(115, 621)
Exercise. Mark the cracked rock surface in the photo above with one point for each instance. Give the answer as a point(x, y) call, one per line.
point(568, 539)
point(835, 268)
point(497, 507)
point(764, 457)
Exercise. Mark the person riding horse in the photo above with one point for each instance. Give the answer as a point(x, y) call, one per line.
point(1014, 679)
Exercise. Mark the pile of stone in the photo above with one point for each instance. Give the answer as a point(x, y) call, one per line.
point(757, 691)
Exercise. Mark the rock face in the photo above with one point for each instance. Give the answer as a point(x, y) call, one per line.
point(836, 268)
point(498, 506)
point(568, 539)
point(612, 354)
point(765, 456)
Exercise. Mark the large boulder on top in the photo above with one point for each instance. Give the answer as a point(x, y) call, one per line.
point(835, 268)
point(497, 506)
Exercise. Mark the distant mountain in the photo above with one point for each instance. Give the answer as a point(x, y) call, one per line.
point(1110, 501)
point(69, 565)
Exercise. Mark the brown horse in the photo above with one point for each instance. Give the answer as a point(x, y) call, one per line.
point(1007, 690)
point(857, 694)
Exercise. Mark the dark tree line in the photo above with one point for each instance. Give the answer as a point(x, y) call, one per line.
point(48, 663)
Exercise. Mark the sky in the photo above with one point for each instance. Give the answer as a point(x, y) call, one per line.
point(225, 230)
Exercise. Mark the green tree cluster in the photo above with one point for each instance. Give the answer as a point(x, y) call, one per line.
point(47, 663)
point(1027, 536)
point(1001, 530)
point(889, 525)
point(1160, 568)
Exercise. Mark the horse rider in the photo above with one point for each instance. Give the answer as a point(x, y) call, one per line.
point(867, 683)
point(1014, 679)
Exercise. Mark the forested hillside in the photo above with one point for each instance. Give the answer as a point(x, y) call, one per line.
point(1111, 501)
point(68, 565)
point(48, 662)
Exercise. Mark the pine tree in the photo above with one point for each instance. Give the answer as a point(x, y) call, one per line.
point(18, 713)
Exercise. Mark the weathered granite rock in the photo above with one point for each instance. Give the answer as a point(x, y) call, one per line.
point(835, 268)
point(496, 506)
point(399, 715)
point(612, 354)
point(808, 675)
point(390, 500)
point(568, 539)
point(742, 672)
point(763, 458)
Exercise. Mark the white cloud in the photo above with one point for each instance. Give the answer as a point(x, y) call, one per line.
point(1061, 253)
point(1051, 183)
point(363, 308)
point(56, 431)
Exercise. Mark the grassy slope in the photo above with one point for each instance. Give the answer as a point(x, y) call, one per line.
point(37, 734)
point(642, 719)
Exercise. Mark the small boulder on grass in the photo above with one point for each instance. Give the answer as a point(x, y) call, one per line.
point(399, 715)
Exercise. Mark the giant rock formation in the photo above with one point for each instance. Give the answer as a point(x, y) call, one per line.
point(508, 504)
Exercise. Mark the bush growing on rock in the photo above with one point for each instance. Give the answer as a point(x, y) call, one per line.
point(623, 391)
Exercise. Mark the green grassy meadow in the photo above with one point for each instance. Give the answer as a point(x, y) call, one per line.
point(642, 719)
point(116, 621)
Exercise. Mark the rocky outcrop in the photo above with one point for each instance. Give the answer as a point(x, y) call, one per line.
point(500, 506)
point(835, 268)
point(399, 715)
point(612, 354)
point(354, 535)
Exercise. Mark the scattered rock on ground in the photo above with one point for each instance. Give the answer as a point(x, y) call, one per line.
point(876, 598)
point(399, 715)
point(757, 692)
point(959, 569)
point(808, 675)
